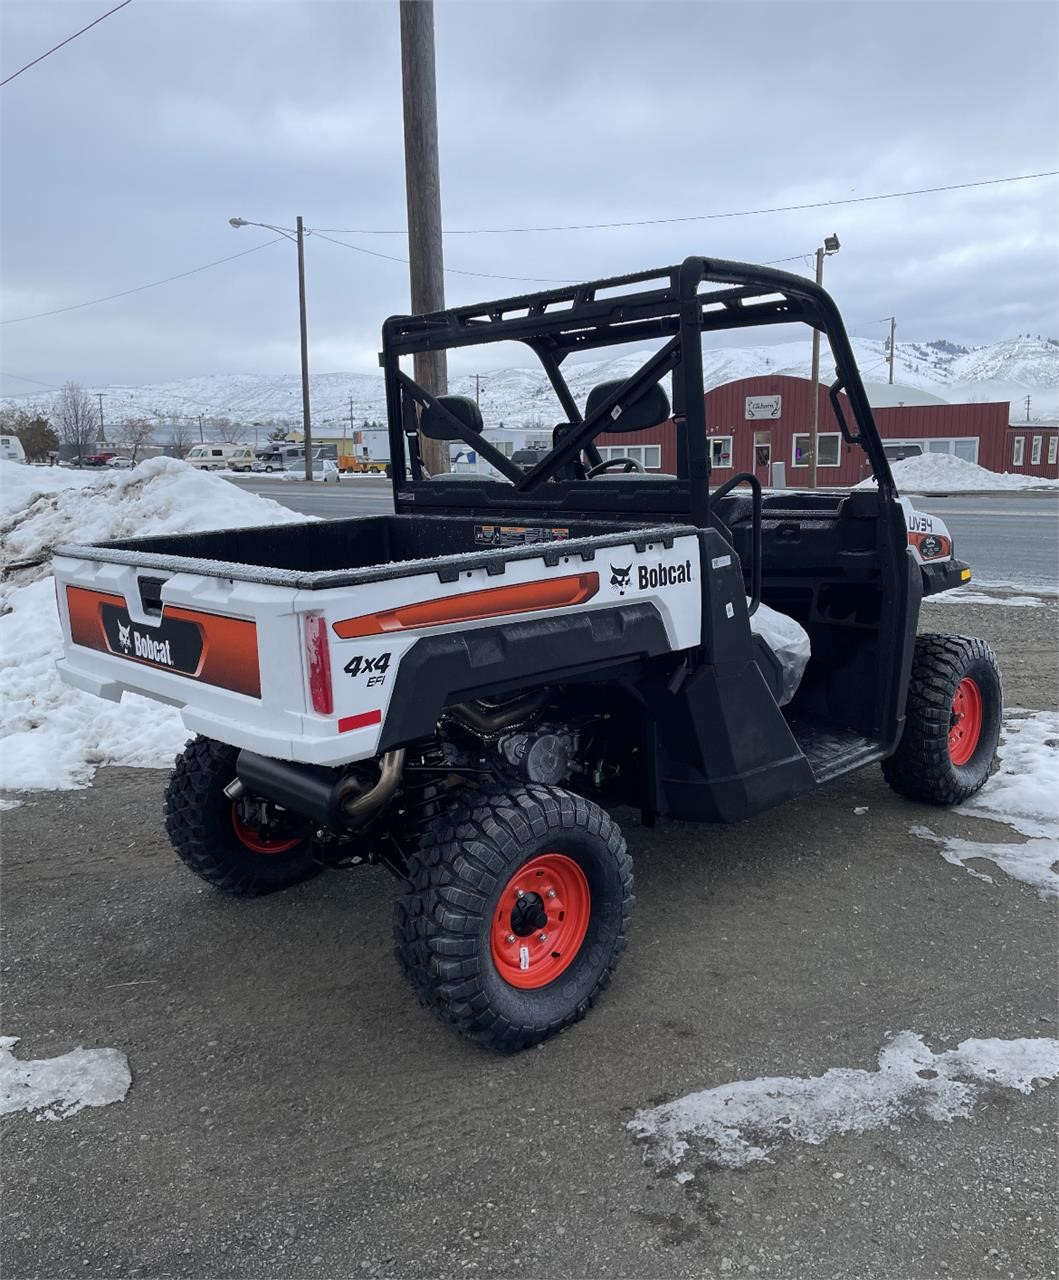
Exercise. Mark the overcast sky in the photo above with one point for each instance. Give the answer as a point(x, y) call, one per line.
point(125, 154)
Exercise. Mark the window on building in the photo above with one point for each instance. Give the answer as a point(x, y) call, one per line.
point(1053, 449)
point(967, 449)
point(1018, 451)
point(938, 446)
point(1035, 452)
point(649, 456)
point(720, 452)
point(829, 450)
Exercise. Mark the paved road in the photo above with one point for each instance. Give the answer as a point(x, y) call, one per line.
point(295, 1114)
point(1011, 538)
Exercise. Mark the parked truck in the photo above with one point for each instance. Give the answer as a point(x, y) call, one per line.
point(467, 690)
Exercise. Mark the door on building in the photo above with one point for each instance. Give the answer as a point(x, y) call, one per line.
point(763, 456)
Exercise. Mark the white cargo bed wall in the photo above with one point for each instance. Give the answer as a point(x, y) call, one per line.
point(281, 722)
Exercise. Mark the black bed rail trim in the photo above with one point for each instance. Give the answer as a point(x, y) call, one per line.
point(447, 568)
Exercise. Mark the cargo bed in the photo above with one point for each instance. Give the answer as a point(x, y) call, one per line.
point(308, 642)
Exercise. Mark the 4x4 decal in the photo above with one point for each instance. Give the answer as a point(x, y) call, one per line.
point(374, 668)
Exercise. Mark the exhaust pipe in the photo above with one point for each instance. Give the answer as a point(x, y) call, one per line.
point(313, 792)
point(487, 718)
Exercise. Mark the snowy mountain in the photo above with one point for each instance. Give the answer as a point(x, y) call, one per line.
point(521, 397)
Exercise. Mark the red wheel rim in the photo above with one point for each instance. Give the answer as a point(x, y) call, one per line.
point(540, 921)
point(965, 722)
point(257, 841)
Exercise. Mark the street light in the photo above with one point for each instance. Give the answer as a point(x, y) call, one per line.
point(307, 430)
point(830, 246)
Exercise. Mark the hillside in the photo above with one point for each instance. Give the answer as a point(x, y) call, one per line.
point(517, 397)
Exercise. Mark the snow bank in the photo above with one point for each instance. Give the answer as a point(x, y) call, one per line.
point(945, 471)
point(161, 495)
point(1022, 794)
point(739, 1123)
point(21, 485)
point(78, 1079)
point(53, 736)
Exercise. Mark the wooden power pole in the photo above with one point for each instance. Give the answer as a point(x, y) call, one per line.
point(423, 192)
point(893, 331)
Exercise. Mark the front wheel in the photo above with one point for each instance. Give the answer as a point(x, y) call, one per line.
point(515, 913)
point(243, 847)
point(952, 721)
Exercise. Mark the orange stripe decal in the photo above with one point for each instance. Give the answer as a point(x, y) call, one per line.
point(494, 602)
point(227, 656)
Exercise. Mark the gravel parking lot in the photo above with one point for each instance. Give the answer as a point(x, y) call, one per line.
point(294, 1112)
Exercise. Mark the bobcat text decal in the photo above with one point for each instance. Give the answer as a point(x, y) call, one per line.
point(663, 575)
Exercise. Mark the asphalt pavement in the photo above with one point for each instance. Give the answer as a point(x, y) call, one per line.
point(1006, 538)
point(295, 1113)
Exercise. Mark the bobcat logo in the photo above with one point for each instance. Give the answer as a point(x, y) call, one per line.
point(125, 636)
point(619, 577)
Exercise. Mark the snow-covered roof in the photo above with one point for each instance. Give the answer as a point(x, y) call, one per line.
point(883, 395)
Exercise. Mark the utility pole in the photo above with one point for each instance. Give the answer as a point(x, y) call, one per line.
point(893, 331)
point(352, 429)
point(307, 429)
point(423, 194)
point(829, 246)
point(477, 388)
point(102, 430)
point(1027, 408)
point(201, 436)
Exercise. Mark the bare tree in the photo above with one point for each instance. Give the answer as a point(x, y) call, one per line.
point(180, 433)
point(225, 430)
point(134, 433)
point(76, 418)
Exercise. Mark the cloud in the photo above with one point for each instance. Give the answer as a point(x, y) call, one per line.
point(126, 153)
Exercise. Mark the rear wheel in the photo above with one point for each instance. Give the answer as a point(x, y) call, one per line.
point(514, 914)
point(952, 721)
point(243, 847)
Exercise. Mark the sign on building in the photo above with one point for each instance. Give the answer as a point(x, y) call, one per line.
point(758, 407)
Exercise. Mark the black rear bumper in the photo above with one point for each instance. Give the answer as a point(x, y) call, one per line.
point(944, 576)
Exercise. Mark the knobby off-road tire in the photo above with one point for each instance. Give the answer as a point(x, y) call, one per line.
point(514, 913)
point(952, 721)
point(208, 835)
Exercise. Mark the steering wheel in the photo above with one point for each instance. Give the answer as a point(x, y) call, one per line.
point(628, 465)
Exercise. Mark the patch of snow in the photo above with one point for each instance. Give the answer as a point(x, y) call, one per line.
point(739, 1123)
point(944, 471)
point(60, 1087)
point(53, 736)
point(966, 595)
point(1023, 795)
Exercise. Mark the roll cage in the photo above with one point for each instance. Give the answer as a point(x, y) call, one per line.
point(678, 304)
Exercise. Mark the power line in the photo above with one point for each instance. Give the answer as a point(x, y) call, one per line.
point(449, 271)
point(707, 217)
point(58, 311)
point(488, 275)
point(64, 42)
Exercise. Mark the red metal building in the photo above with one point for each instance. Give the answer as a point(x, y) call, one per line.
point(755, 423)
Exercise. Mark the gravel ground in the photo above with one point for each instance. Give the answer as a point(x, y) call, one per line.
point(295, 1113)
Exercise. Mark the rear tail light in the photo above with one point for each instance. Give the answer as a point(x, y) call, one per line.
point(931, 546)
point(318, 656)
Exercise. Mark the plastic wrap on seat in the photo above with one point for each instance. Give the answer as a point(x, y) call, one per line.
point(789, 641)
